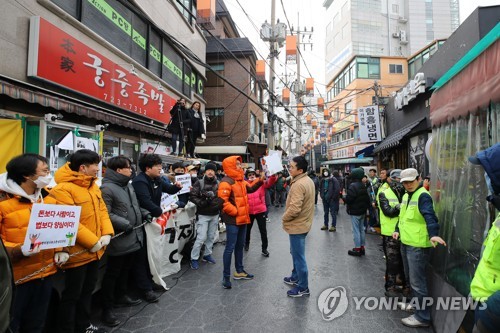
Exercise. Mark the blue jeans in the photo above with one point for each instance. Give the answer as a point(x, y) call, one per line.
point(235, 240)
point(331, 207)
point(415, 260)
point(298, 251)
point(358, 230)
point(206, 227)
point(489, 318)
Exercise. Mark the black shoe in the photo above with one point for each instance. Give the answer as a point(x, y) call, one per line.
point(150, 296)
point(362, 251)
point(126, 301)
point(109, 318)
point(265, 253)
point(355, 252)
point(157, 287)
point(247, 247)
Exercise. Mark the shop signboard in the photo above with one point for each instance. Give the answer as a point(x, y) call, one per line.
point(59, 58)
point(369, 124)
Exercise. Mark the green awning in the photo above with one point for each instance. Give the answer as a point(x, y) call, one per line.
point(473, 53)
point(349, 161)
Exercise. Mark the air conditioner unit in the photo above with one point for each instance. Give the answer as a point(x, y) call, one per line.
point(395, 34)
point(402, 19)
point(402, 37)
point(253, 138)
point(263, 138)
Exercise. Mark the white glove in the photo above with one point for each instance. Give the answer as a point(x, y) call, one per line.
point(203, 136)
point(32, 252)
point(60, 258)
point(96, 247)
point(105, 240)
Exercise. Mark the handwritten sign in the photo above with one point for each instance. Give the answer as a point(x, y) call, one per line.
point(185, 180)
point(273, 162)
point(52, 226)
point(167, 200)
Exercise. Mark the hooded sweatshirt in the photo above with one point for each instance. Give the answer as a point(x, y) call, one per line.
point(15, 213)
point(76, 189)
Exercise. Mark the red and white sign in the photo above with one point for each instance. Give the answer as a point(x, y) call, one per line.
point(59, 58)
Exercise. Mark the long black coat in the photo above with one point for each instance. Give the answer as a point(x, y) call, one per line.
point(123, 210)
point(197, 124)
point(179, 114)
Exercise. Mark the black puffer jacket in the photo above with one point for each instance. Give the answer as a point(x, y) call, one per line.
point(204, 204)
point(357, 198)
point(149, 191)
point(179, 114)
point(7, 283)
point(124, 211)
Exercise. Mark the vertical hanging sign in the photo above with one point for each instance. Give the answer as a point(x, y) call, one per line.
point(369, 124)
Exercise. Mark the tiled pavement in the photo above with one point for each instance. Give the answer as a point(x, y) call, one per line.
point(198, 303)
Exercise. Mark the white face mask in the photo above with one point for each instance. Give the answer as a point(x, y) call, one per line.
point(43, 181)
point(325, 174)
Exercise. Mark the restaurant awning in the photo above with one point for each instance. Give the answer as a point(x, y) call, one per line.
point(106, 115)
point(394, 139)
point(349, 161)
point(365, 152)
point(222, 150)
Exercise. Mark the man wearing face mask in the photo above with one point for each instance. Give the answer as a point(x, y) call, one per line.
point(329, 190)
point(23, 185)
point(485, 286)
point(126, 216)
point(208, 206)
point(76, 187)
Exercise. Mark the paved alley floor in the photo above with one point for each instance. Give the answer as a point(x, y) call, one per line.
point(197, 302)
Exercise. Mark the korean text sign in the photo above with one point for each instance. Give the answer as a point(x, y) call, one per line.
point(52, 226)
point(185, 180)
point(369, 124)
point(59, 58)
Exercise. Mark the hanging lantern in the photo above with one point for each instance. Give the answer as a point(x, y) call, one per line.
point(300, 108)
point(317, 130)
point(291, 48)
point(330, 122)
point(286, 96)
point(314, 124)
point(310, 86)
point(308, 119)
point(260, 70)
point(351, 128)
point(321, 104)
point(205, 13)
point(326, 114)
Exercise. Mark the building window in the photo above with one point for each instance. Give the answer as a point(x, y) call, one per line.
point(368, 68)
point(188, 9)
point(337, 114)
point(395, 8)
point(348, 107)
point(395, 69)
point(252, 85)
point(215, 121)
point(212, 79)
point(252, 123)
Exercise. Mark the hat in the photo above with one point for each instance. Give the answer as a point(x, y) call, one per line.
point(190, 167)
point(409, 175)
point(357, 173)
point(211, 166)
point(196, 163)
point(396, 173)
point(489, 159)
point(250, 170)
point(177, 165)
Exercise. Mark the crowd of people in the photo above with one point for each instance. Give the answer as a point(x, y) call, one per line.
point(113, 217)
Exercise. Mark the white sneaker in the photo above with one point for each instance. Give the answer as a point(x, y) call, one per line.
point(268, 220)
point(405, 307)
point(411, 321)
point(222, 228)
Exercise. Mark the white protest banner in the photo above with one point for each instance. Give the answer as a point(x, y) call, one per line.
point(52, 226)
point(167, 200)
point(369, 124)
point(273, 162)
point(185, 180)
point(166, 238)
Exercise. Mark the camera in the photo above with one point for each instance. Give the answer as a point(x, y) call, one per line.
point(100, 128)
point(53, 117)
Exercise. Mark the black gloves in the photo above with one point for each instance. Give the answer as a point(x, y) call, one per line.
point(128, 229)
point(148, 218)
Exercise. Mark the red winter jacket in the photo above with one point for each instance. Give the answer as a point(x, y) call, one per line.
point(257, 199)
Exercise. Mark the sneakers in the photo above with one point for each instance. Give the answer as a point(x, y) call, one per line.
point(150, 296)
point(268, 220)
point(356, 252)
point(242, 276)
point(126, 301)
point(109, 318)
point(372, 230)
point(194, 264)
point(159, 287)
point(324, 227)
point(411, 321)
point(265, 253)
point(405, 307)
point(332, 229)
point(291, 282)
point(95, 329)
point(226, 282)
point(362, 250)
point(209, 259)
point(298, 292)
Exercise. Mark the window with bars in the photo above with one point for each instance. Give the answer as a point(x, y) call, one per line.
point(212, 79)
point(395, 69)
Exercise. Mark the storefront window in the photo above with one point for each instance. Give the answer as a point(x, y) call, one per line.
point(129, 148)
point(111, 146)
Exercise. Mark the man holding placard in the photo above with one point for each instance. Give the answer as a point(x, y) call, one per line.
point(23, 185)
point(76, 187)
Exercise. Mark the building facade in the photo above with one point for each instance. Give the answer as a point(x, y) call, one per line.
point(232, 118)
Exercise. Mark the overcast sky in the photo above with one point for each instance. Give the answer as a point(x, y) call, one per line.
point(311, 15)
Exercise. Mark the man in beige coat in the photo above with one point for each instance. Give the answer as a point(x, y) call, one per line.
point(297, 222)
